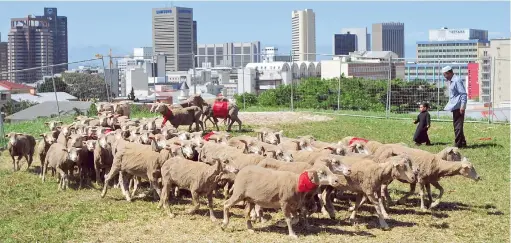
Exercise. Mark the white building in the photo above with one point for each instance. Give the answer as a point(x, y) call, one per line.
point(125, 63)
point(231, 54)
point(303, 35)
point(258, 77)
point(270, 54)
point(363, 42)
point(143, 53)
point(445, 34)
point(137, 79)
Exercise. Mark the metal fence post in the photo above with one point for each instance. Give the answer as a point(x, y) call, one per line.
point(339, 86)
point(106, 85)
point(2, 131)
point(389, 92)
point(438, 92)
point(55, 91)
point(292, 80)
point(493, 77)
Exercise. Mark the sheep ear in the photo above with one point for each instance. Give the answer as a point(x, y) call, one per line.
point(46, 123)
point(42, 134)
point(6, 135)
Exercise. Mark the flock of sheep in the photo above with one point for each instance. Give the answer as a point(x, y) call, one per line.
point(300, 175)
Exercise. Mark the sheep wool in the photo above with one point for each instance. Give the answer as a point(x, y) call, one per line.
point(358, 140)
point(305, 184)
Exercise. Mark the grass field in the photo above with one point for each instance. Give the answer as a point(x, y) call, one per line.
point(470, 212)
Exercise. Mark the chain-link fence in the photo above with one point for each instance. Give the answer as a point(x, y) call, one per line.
point(372, 84)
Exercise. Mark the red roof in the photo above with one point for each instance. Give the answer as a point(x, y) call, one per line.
point(10, 85)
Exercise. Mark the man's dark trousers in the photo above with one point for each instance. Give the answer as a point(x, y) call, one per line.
point(457, 121)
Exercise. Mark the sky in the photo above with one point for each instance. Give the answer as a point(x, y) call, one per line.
point(97, 26)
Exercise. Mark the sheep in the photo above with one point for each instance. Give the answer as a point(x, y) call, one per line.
point(181, 116)
point(275, 189)
point(218, 137)
point(135, 160)
point(269, 136)
point(198, 178)
point(450, 154)
point(76, 140)
point(21, 145)
point(122, 109)
point(430, 169)
point(311, 156)
point(53, 125)
point(296, 144)
point(367, 177)
point(65, 132)
point(250, 143)
point(277, 152)
point(42, 148)
point(212, 150)
point(62, 160)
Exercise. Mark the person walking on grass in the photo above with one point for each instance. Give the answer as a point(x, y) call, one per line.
point(424, 120)
point(457, 105)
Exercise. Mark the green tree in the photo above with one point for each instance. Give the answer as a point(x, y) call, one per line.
point(47, 86)
point(131, 95)
point(86, 86)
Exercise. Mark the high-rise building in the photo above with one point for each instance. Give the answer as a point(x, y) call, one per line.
point(344, 43)
point(363, 38)
point(232, 54)
point(30, 44)
point(454, 47)
point(143, 53)
point(173, 36)
point(389, 37)
point(58, 30)
point(195, 42)
point(303, 35)
point(493, 76)
point(3, 59)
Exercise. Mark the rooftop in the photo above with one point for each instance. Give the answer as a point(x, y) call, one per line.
point(49, 108)
point(42, 97)
point(13, 86)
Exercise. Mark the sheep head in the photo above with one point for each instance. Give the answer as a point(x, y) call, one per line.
point(226, 165)
point(358, 148)
point(336, 166)
point(319, 174)
point(73, 154)
point(48, 138)
point(186, 148)
point(467, 170)
point(337, 149)
point(90, 145)
point(451, 154)
point(402, 168)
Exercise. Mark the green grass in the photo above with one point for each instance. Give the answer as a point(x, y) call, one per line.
point(470, 212)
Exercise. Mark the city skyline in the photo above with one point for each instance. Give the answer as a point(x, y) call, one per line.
point(105, 30)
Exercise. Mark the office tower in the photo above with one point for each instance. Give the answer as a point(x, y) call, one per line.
point(303, 35)
point(389, 37)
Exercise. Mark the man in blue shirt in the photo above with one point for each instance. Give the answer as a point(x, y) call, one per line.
point(457, 105)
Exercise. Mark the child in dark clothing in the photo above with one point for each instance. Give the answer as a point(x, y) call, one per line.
point(424, 120)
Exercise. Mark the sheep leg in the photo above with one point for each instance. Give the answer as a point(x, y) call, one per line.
point(386, 195)
point(358, 203)
point(155, 185)
point(383, 210)
point(421, 193)
point(287, 214)
point(108, 177)
point(378, 208)
point(237, 119)
point(235, 198)
point(63, 178)
point(428, 191)
point(164, 199)
point(176, 191)
point(210, 206)
point(304, 214)
point(411, 192)
point(195, 203)
point(226, 190)
point(18, 162)
point(249, 208)
point(326, 200)
point(441, 193)
point(215, 122)
point(44, 168)
point(29, 161)
point(231, 122)
point(124, 180)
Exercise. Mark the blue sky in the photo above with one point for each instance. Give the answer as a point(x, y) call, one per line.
point(97, 26)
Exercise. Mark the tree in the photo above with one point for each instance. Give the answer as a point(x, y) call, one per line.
point(86, 86)
point(47, 86)
point(131, 95)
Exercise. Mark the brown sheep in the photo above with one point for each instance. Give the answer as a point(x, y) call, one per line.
point(62, 160)
point(181, 116)
point(44, 144)
point(21, 145)
point(430, 168)
point(122, 109)
point(367, 177)
point(135, 160)
point(199, 178)
point(232, 111)
point(275, 189)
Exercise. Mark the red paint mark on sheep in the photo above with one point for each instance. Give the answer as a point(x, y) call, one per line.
point(358, 139)
point(305, 184)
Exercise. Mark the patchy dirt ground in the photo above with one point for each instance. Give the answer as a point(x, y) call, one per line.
point(271, 118)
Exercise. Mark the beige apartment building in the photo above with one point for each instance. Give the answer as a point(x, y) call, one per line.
point(303, 35)
point(494, 73)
